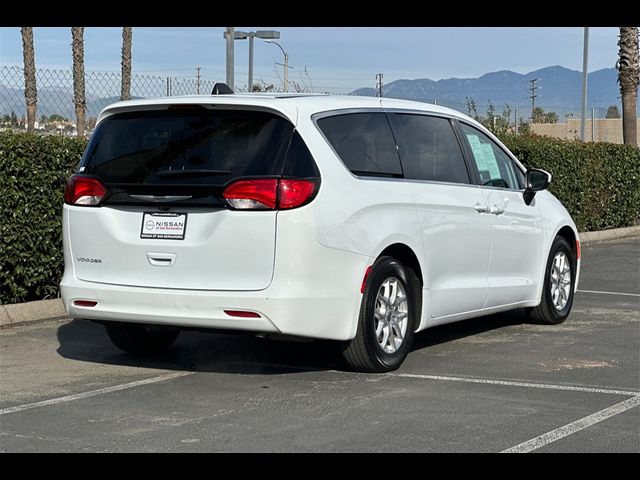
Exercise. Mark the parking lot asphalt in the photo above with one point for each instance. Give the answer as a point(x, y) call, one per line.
point(484, 385)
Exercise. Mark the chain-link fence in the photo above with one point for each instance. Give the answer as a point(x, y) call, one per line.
point(55, 90)
point(55, 101)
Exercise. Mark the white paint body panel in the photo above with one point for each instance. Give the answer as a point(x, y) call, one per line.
point(456, 241)
point(516, 248)
point(302, 269)
point(213, 256)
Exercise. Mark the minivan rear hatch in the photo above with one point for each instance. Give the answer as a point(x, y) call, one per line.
point(163, 222)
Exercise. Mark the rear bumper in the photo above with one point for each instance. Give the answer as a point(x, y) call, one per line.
point(324, 305)
point(165, 306)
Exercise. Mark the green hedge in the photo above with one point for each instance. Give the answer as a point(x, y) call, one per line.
point(598, 183)
point(33, 173)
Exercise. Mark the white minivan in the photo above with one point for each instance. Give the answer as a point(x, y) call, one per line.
point(360, 220)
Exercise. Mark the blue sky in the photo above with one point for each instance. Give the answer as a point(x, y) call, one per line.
point(337, 59)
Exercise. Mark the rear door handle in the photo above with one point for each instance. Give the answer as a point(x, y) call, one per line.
point(496, 210)
point(481, 208)
point(161, 259)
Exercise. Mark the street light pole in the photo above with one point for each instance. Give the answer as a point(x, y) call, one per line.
point(286, 64)
point(228, 34)
point(250, 80)
point(264, 34)
point(585, 63)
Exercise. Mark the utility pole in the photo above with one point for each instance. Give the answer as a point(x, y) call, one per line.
point(533, 95)
point(197, 80)
point(286, 71)
point(228, 34)
point(585, 67)
point(379, 85)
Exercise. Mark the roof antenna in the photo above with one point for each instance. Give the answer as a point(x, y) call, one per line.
point(221, 89)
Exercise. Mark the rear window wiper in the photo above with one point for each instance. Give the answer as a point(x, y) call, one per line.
point(191, 173)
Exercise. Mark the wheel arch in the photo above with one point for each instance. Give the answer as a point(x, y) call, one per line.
point(569, 233)
point(406, 255)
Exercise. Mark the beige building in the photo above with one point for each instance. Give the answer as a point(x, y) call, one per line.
point(603, 130)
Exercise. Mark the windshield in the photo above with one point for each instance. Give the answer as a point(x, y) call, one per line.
point(187, 145)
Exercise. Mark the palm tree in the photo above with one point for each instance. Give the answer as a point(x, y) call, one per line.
point(30, 90)
point(628, 76)
point(77, 48)
point(126, 63)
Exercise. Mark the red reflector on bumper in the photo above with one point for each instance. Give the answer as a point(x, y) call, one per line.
point(363, 286)
point(578, 252)
point(84, 303)
point(242, 314)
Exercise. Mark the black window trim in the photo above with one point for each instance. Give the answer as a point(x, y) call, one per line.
point(469, 154)
point(472, 176)
point(347, 111)
point(343, 111)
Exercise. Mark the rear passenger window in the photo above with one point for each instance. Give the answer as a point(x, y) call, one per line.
point(429, 148)
point(364, 143)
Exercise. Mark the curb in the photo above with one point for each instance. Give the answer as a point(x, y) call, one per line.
point(31, 312)
point(587, 238)
point(41, 311)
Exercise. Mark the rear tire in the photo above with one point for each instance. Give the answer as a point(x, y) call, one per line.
point(140, 339)
point(387, 320)
point(556, 301)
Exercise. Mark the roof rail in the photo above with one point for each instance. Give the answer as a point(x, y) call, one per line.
point(221, 89)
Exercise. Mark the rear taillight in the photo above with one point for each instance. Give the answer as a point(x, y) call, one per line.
point(85, 191)
point(269, 194)
point(252, 194)
point(293, 193)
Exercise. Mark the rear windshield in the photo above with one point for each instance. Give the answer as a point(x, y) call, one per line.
point(187, 146)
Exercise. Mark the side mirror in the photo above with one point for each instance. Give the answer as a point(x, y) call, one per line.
point(536, 180)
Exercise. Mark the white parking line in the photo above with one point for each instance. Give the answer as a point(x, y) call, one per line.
point(92, 393)
point(611, 293)
point(508, 383)
point(573, 427)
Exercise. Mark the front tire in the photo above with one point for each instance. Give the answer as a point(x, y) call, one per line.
point(387, 320)
point(140, 339)
point(559, 285)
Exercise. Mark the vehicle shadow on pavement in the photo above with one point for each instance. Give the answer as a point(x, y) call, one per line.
point(246, 354)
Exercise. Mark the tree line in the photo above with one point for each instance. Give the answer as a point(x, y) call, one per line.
point(77, 53)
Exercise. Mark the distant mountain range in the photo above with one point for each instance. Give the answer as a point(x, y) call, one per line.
point(559, 88)
point(50, 101)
